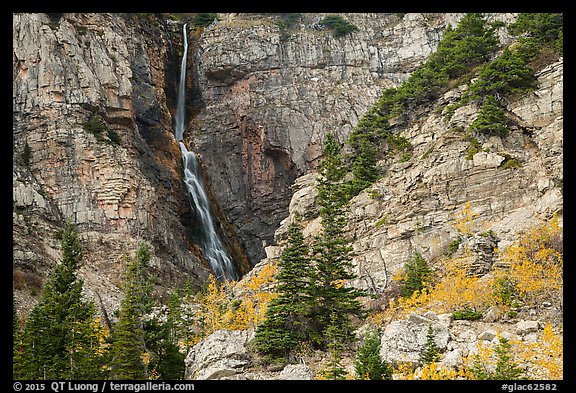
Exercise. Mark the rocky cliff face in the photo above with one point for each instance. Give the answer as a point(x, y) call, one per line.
point(260, 100)
point(120, 183)
point(416, 205)
point(271, 94)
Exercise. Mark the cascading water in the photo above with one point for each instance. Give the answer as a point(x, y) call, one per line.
point(212, 246)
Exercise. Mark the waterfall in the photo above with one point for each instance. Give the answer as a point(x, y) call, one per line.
point(180, 124)
point(212, 246)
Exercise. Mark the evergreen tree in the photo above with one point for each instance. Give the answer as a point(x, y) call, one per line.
point(506, 75)
point(364, 166)
point(332, 191)
point(430, 352)
point(166, 360)
point(471, 43)
point(335, 340)
point(332, 251)
point(60, 338)
point(417, 271)
point(285, 325)
point(16, 336)
point(491, 119)
point(128, 350)
point(143, 346)
point(368, 363)
point(505, 369)
point(543, 28)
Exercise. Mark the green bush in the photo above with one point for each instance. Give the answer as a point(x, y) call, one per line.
point(453, 246)
point(204, 20)
point(546, 29)
point(95, 125)
point(339, 26)
point(114, 137)
point(491, 119)
point(27, 154)
point(509, 162)
point(467, 314)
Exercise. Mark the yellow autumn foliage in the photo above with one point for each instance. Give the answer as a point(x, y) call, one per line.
point(536, 263)
point(454, 290)
point(544, 357)
point(541, 359)
point(535, 266)
point(435, 372)
point(464, 220)
point(218, 307)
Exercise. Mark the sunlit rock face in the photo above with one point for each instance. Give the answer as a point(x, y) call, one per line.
point(271, 94)
point(119, 184)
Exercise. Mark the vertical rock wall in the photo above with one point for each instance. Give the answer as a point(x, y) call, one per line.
point(69, 69)
point(271, 94)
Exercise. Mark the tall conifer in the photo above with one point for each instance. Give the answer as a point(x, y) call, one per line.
point(332, 251)
point(60, 338)
point(128, 350)
point(285, 325)
point(430, 352)
point(368, 363)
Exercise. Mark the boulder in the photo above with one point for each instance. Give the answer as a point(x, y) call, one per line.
point(222, 354)
point(526, 327)
point(404, 341)
point(296, 371)
point(487, 335)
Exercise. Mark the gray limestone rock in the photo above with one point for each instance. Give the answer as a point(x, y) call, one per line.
point(222, 354)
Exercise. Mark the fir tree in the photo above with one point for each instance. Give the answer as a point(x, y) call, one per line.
point(143, 346)
point(60, 338)
point(368, 363)
point(332, 191)
point(364, 166)
point(471, 43)
point(128, 349)
point(332, 251)
point(166, 360)
point(16, 336)
point(505, 369)
point(335, 340)
point(417, 271)
point(430, 352)
point(285, 325)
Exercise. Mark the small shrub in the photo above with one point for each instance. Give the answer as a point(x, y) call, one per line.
point(453, 246)
point(405, 157)
point(467, 314)
point(339, 26)
point(95, 125)
point(491, 119)
point(382, 221)
point(114, 137)
point(26, 154)
point(509, 162)
point(204, 19)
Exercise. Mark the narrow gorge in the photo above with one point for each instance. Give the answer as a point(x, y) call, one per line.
point(202, 136)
